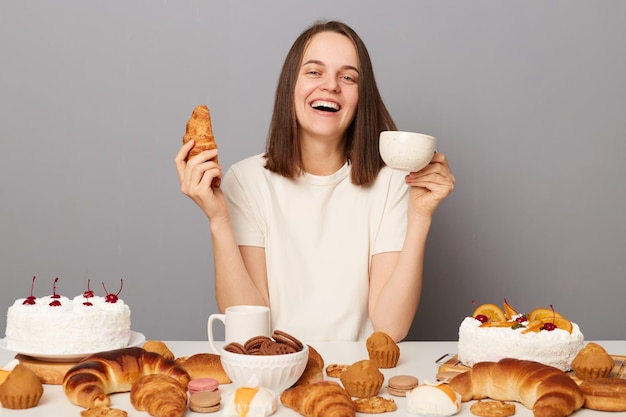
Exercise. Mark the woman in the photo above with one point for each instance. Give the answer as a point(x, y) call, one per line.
point(318, 228)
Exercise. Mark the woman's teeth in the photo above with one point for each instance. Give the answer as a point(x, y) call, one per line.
point(325, 106)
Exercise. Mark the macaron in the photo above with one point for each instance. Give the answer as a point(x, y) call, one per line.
point(203, 384)
point(205, 401)
point(399, 385)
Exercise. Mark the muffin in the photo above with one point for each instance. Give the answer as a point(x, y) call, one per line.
point(592, 362)
point(362, 379)
point(382, 350)
point(22, 389)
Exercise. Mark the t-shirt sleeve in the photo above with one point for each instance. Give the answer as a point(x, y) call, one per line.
point(392, 229)
point(246, 224)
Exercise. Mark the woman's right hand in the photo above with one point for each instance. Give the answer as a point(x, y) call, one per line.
point(195, 177)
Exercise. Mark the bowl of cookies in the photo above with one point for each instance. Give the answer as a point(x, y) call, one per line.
point(275, 362)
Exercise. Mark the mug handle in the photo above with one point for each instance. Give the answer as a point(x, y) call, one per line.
point(212, 318)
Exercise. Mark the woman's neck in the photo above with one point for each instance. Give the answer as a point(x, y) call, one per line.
point(322, 157)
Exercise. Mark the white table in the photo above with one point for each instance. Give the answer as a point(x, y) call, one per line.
point(416, 358)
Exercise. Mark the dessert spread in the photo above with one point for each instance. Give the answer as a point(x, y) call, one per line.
point(543, 335)
point(56, 324)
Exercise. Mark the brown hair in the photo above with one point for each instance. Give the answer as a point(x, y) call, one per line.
point(283, 153)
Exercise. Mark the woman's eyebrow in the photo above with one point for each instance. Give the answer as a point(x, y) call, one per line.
point(318, 62)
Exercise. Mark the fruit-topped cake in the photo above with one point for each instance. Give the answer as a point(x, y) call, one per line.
point(543, 335)
point(57, 325)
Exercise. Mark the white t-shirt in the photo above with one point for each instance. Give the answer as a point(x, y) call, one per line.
point(319, 235)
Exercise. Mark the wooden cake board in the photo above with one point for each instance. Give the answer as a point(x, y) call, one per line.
point(50, 373)
point(452, 367)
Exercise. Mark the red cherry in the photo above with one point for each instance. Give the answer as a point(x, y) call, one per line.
point(521, 319)
point(549, 327)
point(30, 300)
point(88, 293)
point(54, 289)
point(482, 318)
point(112, 298)
point(87, 303)
point(56, 302)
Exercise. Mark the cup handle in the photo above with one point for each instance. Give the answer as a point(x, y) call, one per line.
point(212, 318)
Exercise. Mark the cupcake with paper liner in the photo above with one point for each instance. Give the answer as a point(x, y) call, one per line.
point(362, 379)
point(436, 400)
point(382, 349)
point(21, 389)
point(593, 361)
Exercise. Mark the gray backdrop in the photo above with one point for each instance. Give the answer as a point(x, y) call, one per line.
point(527, 99)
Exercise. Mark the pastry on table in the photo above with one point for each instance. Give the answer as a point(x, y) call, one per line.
point(90, 381)
point(159, 347)
point(204, 365)
point(362, 379)
point(160, 395)
point(319, 399)
point(21, 389)
point(103, 412)
point(604, 394)
point(382, 349)
point(399, 385)
point(433, 400)
point(205, 401)
point(593, 361)
point(375, 405)
point(546, 390)
point(255, 401)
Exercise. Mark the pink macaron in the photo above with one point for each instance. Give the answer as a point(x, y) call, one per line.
point(203, 384)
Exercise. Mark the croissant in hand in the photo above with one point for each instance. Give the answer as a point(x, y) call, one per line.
point(319, 399)
point(200, 130)
point(159, 395)
point(89, 382)
point(548, 391)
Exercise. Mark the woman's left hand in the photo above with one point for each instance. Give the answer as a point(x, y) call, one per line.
point(430, 186)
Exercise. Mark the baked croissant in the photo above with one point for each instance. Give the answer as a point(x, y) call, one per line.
point(89, 382)
point(319, 399)
point(546, 390)
point(159, 395)
point(199, 129)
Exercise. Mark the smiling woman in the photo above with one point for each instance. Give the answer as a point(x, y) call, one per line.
point(317, 227)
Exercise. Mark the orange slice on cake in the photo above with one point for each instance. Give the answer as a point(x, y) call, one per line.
point(560, 323)
point(491, 311)
point(509, 311)
point(543, 313)
point(533, 326)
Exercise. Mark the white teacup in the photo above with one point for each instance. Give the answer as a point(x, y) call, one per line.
point(240, 324)
point(406, 151)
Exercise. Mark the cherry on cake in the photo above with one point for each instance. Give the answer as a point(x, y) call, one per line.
point(57, 325)
point(543, 335)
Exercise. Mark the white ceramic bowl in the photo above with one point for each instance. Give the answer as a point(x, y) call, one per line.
point(275, 372)
point(406, 151)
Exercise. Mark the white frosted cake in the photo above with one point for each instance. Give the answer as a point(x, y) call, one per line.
point(490, 342)
point(58, 325)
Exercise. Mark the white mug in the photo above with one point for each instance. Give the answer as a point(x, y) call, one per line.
point(240, 324)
